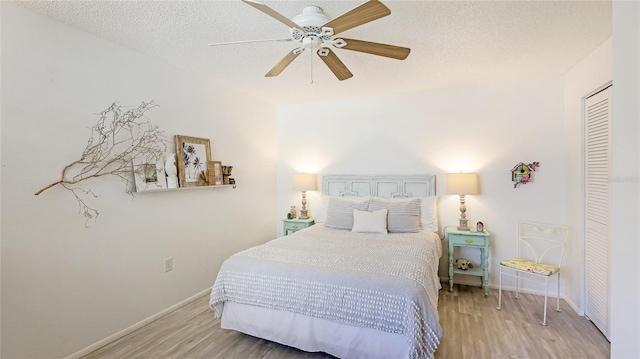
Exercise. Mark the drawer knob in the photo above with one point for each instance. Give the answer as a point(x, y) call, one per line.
point(469, 240)
point(295, 226)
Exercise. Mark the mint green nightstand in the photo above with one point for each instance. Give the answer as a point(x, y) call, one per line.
point(469, 239)
point(294, 225)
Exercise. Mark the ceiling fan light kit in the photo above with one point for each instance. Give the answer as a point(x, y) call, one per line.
point(315, 31)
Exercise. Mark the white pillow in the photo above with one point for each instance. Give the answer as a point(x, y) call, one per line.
point(429, 213)
point(370, 222)
point(320, 214)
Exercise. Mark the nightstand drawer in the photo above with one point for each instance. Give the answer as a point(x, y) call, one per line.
point(294, 225)
point(467, 240)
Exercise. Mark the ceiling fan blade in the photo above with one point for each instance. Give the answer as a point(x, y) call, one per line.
point(274, 14)
point(249, 41)
point(369, 11)
point(335, 65)
point(374, 48)
point(277, 69)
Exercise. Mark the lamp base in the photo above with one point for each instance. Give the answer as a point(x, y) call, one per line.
point(463, 225)
point(463, 217)
point(304, 213)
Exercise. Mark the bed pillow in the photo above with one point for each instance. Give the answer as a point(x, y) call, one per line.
point(403, 214)
point(340, 211)
point(370, 222)
point(320, 211)
point(429, 213)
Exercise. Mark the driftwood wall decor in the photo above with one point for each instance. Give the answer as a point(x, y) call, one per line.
point(119, 138)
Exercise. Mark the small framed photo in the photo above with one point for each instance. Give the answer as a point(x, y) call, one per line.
point(480, 227)
point(193, 155)
point(215, 173)
point(148, 174)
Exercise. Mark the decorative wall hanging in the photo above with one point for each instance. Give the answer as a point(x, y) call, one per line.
point(194, 155)
point(522, 173)
point(119, 138)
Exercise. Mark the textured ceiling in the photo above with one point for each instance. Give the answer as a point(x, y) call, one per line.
point(453, 43)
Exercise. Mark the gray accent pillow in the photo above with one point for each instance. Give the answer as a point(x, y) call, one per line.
point(340, 212)
point(403, 216)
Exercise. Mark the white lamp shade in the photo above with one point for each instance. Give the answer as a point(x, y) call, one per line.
point(305, 182)
point(462, 183)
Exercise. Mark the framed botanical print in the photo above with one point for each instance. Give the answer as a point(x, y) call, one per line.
point(193, 155)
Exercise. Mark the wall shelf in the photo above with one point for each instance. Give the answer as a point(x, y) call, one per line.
point(188, 188)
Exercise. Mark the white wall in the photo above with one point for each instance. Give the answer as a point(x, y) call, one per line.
point(66, 287)
point(625, 195)
point(485, 129)
point(617, 59)
point(589, 75)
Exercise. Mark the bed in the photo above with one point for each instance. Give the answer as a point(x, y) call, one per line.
point(361, 283)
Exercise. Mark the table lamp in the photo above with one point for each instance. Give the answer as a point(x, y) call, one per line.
point(305, 182)
point(462, 184)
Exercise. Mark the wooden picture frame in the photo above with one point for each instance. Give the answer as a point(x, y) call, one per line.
point(193, 155)
point(215, 173)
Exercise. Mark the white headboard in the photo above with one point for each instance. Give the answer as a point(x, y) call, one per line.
point(389, 186)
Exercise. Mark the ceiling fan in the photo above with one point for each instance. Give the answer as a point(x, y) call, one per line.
point(316, 32)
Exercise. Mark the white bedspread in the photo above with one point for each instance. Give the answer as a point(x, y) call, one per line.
point(384, 282)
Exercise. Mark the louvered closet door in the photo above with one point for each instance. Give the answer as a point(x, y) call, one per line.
point(598, 137)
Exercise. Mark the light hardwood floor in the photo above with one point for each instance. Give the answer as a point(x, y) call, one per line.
point(473, 328)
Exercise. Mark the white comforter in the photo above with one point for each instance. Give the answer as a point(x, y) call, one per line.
point(384, 282)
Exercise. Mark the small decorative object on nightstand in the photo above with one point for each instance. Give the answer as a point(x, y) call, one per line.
point(480, 240)
point(294, 225)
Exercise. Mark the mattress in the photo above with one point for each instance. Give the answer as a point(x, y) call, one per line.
point(332, 290)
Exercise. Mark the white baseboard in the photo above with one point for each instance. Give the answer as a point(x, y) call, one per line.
point(574, 306)
point(136, 326)
point(475, 282)
point(540, 292)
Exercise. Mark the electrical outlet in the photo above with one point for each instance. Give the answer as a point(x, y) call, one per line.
point(168, 264)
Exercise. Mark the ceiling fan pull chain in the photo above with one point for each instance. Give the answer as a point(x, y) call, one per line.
point(311, 62)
